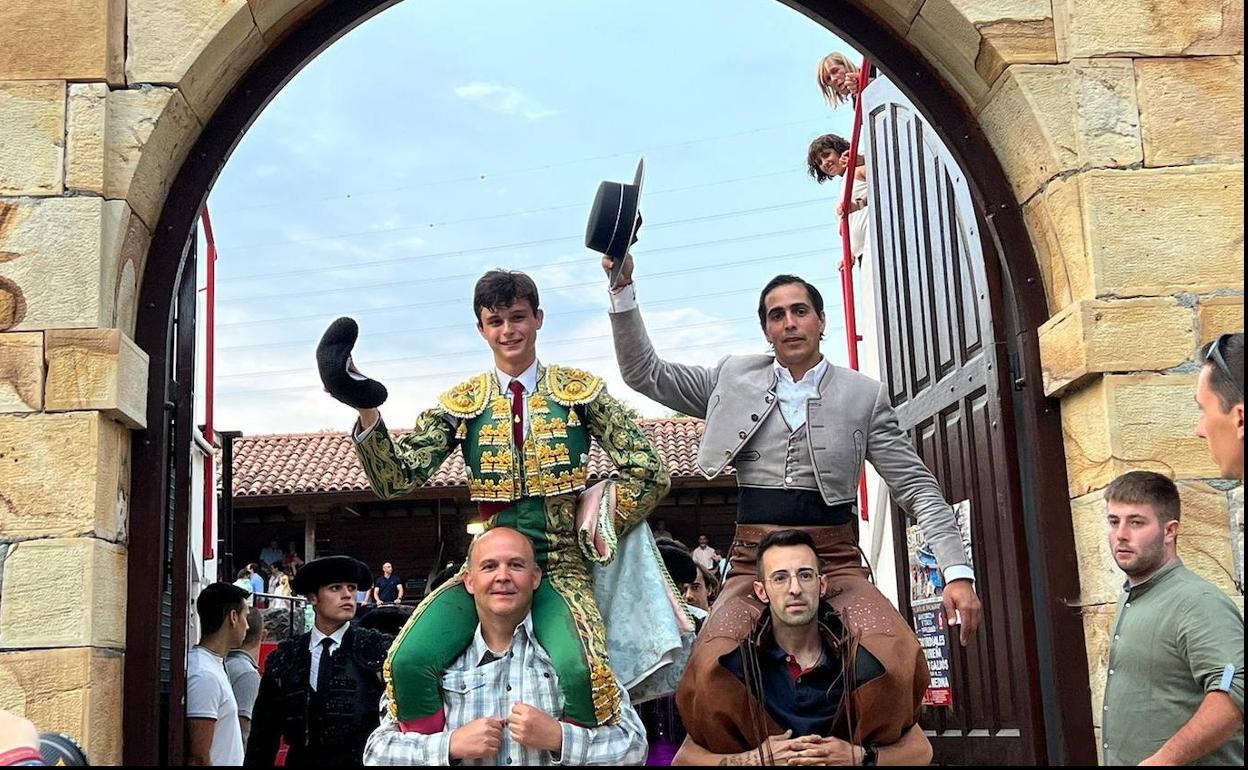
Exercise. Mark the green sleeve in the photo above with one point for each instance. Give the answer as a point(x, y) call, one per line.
point(1211, 637)
point(643, 478)
point(397, 466)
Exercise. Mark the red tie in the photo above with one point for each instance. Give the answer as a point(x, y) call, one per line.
point(517, 412)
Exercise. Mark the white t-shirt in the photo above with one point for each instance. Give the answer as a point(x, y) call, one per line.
point(209, 696)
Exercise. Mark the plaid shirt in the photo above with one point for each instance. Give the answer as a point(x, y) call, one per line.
point(479, 685)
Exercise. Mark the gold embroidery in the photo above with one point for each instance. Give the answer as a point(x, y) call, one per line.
point(548, 456)
point(496, 462)
point(494, 434)
point(571, 387)
point(538, 405)
point(543, 428)
point(500, 408)
point(491, 490)
point(468, 399)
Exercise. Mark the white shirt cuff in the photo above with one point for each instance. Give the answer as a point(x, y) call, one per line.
point(959, 572)
point(359, 433)
point(624, 299)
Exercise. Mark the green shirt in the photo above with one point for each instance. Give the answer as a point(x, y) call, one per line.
point(1176, 638)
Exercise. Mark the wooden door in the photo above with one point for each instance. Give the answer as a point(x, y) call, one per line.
point(942, 355)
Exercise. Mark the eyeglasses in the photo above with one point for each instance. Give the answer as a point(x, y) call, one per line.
point(782, 579)
point(1215, 356)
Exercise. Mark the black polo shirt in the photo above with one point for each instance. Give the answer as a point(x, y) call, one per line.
point(806, 702)
point(388, 588)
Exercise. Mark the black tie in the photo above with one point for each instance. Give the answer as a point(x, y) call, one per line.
point(325, 669)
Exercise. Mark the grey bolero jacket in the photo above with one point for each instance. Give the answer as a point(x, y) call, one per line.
point(850, 422)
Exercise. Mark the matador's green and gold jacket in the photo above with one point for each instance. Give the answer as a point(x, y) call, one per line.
point(569, 408)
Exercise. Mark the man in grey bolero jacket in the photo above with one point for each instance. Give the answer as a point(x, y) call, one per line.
point(797, 430)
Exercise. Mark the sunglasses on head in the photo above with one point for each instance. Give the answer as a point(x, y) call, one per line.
point(1215, 356)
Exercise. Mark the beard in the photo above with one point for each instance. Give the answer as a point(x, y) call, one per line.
point(1145, 561)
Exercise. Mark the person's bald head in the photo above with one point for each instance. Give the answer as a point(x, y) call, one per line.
point(505, 537)
point(502, 574)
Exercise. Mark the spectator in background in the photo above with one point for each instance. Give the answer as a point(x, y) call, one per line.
point(1220, 394)
point(242, 666)
point(214, 733)
point(290, 560)
point(659, 528)
point(275, 571)
point(243, 582)
point(838, 78)
point(388, 589)
point(701, 592)
point(828, 158)
point(704, 554)
point(271, 553)
point(257, 584)
point(1175, 689)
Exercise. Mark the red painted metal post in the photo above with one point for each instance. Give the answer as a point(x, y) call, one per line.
point(210, 464)
point(847, 261)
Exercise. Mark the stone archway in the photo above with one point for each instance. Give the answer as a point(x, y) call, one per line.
point(1074, 119)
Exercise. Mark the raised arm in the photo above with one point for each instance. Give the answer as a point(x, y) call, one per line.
point(397, 466)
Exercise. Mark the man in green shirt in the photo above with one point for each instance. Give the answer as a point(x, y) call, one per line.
point(1175, 688)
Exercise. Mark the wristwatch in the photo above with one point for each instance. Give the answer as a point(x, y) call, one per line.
point(868, 756)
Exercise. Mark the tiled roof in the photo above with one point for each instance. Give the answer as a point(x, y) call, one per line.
point(325, 463)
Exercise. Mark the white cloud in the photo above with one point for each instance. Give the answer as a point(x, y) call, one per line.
point(505, 99)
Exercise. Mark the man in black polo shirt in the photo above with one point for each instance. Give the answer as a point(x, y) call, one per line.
point(791, 676)
point(389, 587)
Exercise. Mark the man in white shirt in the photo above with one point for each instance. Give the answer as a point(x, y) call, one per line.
point(211, 709)
point(704, 554)
point(502, 698)
point(797, 430)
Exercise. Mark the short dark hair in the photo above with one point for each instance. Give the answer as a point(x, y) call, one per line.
point(255, 624)
point(816, 299)
point(784, 537)
point(502, 288)
point(215, 604)
point(1147, 488)
point(1227, 385)
point(825, 143)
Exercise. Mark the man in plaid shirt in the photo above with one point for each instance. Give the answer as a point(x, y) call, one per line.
point(502, 696)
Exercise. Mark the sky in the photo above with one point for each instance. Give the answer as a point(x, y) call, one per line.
point(443, 138)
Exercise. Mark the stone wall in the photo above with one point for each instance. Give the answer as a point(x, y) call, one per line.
point(1119, 124)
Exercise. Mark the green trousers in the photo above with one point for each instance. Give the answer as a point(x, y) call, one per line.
point(565, 619)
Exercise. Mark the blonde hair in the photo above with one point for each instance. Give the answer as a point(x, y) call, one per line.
point(833, 96)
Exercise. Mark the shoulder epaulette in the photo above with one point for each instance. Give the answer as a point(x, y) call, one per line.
point(572, 387)
point(469, 398)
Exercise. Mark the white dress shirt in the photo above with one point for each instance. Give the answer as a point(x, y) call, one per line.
point(793, 395)
point(314, 644)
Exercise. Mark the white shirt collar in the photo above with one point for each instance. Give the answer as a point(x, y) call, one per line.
point(527, 378)
point(814, 375)
point(317, 636)
point(479, 647)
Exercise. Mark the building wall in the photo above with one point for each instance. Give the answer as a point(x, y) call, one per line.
point(1118, 122)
